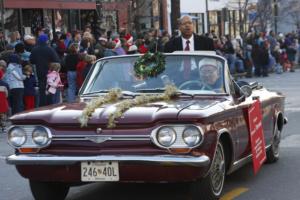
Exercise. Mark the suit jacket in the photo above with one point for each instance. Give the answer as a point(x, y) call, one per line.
point(200, 43)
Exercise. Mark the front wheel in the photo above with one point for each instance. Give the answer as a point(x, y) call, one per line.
point(48, 190)
point(211, 187)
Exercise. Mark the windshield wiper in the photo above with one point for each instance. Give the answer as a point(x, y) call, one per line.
point(95, 92)
point(124, 93)
point(151, 90)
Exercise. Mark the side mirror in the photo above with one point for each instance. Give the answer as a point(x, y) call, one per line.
point(246, 91)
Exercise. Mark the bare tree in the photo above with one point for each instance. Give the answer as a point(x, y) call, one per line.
point(264, 15)
point(242, 7)
point(291, 11)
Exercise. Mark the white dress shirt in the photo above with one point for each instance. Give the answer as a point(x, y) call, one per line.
point(191, 39)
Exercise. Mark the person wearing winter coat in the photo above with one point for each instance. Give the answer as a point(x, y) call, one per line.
point(29, 88)
point(71, 61)
point(53, 84)
point(14, 78)
point(41, 56)
point(260, 57)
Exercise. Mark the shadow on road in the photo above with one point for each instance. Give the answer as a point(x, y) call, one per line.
point(131, 191)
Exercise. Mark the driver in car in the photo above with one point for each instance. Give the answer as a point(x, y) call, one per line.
point(209, 72)
point(209, 77)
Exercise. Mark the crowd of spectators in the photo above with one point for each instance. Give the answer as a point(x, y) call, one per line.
point(36, 70)
point(258, 54)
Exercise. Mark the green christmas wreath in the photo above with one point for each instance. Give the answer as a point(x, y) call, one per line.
point(150, 65)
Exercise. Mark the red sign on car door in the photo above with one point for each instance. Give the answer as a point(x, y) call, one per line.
point(256, 135)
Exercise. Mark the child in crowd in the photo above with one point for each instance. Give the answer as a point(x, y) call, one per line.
point(53, 84)
point(3, 99)
point(14, 78)
point(29, 87)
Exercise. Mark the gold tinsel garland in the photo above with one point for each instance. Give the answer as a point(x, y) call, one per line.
point(114, 95)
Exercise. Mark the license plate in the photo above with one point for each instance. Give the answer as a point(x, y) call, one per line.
point(99, 171)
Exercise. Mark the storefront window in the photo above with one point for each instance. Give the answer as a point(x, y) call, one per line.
point(198, 21)
point(74, 14)
point(11, 21)
point(32, 20)
point(87, 18)
point(213, 20)
point(48, 20)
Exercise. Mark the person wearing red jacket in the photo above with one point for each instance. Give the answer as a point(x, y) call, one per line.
point(79, 70)
point(3, 99)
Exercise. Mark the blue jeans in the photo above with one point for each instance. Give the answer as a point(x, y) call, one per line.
point(16, 100)
point(231, 62)
point(54, 98)
point(239, 65)
point(71, 76)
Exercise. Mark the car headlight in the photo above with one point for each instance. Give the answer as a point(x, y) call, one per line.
point(166, 136)
point(40, 136)
point(191, 136)
point(16, 136)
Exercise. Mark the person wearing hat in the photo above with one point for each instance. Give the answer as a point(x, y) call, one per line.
point(29, 42)
point(14, 77)
point(210, 75)
point(41, 56)
point(118, 48)
point(132, 49)
point(100, 47)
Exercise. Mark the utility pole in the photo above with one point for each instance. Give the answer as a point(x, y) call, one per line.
point(155, 14)
point(175, 14)
point(275, 15)
point(207, 16)
point(2, 16)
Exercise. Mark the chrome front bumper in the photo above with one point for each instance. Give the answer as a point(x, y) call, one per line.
point(167, 160)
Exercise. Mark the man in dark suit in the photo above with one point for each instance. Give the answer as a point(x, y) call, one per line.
point(188, 41)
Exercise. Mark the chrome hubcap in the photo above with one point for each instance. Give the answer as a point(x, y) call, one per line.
point(218, 171)
point(276, 141)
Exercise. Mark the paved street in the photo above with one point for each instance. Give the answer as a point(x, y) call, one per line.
point(274, 182)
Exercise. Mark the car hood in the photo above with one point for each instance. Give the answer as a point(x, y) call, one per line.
point(149, 113)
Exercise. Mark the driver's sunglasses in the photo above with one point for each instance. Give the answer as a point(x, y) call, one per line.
point(208, 71)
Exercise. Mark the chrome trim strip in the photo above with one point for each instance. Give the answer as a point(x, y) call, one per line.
point(285, 120)
point(168, 160)
point(239, 163)
point(100, 138)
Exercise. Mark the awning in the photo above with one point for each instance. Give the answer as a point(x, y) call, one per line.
point(51, 4)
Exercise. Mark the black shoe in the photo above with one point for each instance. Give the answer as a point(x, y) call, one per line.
point(292, 70)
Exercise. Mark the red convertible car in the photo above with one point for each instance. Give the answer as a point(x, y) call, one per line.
point(198, 135)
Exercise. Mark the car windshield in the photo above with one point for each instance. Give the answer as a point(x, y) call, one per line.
point(192, 74)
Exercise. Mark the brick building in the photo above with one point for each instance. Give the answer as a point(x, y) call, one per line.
point(65, 15)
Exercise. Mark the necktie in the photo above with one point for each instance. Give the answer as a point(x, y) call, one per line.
point(187, 62)
point(187, 47)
